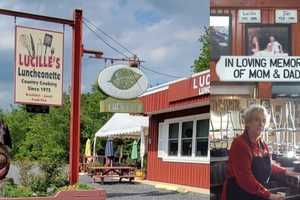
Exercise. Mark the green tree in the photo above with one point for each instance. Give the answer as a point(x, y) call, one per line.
point(1, 114)
point(91, 118)
point(40, 137)
point(17, 120)
point(45, 137)
point(202, 62)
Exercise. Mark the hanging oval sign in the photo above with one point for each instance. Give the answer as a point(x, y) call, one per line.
point(122, 81)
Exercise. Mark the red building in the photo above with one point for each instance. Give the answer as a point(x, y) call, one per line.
point(178, 150)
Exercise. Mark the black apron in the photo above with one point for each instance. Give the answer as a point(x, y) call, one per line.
point(261, 169)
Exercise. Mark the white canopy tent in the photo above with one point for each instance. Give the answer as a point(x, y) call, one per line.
point(124, 125)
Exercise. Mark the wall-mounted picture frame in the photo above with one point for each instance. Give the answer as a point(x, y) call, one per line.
point(220, 36)
point(252, 102)
point(268, 39)
point(267, 104)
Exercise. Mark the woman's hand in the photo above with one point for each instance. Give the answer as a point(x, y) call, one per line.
point(276, 197)
point(291, 173)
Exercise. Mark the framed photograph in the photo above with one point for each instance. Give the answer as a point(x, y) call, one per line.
point(220, 36)
point(268, 40)
point(252, 102)
point(267, 104)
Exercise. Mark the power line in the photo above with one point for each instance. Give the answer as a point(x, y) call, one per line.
point(99, 37)
point(160, 73)
point(118, 51)
point(107, 35)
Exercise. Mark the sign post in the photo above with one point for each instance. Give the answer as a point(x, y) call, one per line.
point(75, 98)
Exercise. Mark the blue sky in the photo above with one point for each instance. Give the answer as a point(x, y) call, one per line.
point(162, 33)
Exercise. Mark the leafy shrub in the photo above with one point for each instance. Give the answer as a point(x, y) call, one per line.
point(10, 189)
point(39, 185)
point(51, 178)
point(44, 183)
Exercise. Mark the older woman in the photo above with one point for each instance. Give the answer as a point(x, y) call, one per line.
point(249, 164)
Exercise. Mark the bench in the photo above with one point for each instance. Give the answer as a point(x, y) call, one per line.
point(111, 172)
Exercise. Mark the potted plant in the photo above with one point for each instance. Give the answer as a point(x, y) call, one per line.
point(140, 174)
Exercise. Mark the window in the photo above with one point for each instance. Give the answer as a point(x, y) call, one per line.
point(187, 138)
point(202, 137)
point(173, 139)
point(184, 139)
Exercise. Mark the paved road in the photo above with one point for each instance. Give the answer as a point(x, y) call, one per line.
point(136, 191)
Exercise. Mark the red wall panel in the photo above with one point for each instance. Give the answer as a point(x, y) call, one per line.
point(155, 102)
point(188, 92)
point(166, 102)
point(191, 174)
point(159, 101)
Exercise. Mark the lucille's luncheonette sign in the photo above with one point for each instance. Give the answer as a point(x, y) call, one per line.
point(197, 85)
point(38, 66)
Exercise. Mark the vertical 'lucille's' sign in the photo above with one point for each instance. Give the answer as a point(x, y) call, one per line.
point(38, 66)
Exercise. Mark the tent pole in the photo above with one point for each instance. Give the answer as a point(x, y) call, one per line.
point(94, 148)
point(142, 147)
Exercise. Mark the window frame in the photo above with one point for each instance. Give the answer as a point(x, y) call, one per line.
point(173, 139)
point(179, 158)
point(196, 138)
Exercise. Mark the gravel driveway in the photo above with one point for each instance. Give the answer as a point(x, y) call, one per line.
point(136, 191)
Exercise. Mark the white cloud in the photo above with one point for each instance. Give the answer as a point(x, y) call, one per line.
point(158, 54)
point(166, 46)
point(7, 28)
point(83, 88)
point(3, 95)
point(187, 35)
point(6, 95)
point(159, 26)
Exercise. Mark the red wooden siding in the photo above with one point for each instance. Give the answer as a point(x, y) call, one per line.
point(189, 88)
point(176, 101)
point(196, 175)
point(186, 93)
point(191, 174)
point(155, 102)
point(159, 101)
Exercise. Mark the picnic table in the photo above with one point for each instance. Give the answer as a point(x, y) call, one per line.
point(121, 172)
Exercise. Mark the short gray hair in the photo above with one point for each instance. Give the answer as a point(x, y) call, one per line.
point(255, 108)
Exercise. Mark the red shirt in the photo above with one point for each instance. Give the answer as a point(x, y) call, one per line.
point(240, 166)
